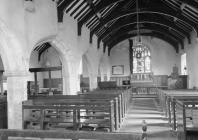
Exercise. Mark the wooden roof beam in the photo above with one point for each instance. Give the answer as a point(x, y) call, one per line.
point(128, 22)
point(103, 4)
point(163, 12)
point(61, 8)
point(127, 36)
point(128, 29)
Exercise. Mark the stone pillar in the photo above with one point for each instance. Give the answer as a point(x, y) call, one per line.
point(93, 81)
point(102, 77)
point(74, 83)
point(108, 74)
point(74, 77)
point(17, 92)
point(65, 84)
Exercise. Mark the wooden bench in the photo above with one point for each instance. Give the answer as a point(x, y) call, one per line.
point(186, 118)
point(60, 134)
point(181, 107)
point(165, 97)
point(121, 99)
point(81, 112)
point(90, 98)
point(124, 98)
point(3, 112)
point(126, 95)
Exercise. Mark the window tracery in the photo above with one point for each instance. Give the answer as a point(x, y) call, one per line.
point(141, 59)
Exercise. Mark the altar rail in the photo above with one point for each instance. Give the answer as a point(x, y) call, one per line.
point(145, 77)
point(74, 135)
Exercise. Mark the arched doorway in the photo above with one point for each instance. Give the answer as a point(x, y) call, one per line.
point(47, 72)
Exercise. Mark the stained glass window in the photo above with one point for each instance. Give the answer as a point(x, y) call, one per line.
point(141, 59)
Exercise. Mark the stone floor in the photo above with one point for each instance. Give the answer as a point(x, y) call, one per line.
point(149, 110)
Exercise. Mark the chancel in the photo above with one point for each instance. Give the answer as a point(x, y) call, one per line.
point(99, 69)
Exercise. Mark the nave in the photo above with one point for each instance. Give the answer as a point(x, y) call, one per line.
point(170, 115)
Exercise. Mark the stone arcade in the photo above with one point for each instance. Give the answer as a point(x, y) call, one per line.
point(74, 47)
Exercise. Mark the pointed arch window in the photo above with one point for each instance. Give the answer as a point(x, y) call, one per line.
point(141, 59)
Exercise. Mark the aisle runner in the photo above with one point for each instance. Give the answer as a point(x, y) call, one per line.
point(149, 110)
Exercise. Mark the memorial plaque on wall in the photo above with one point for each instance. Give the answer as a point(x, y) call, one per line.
point(118, 70)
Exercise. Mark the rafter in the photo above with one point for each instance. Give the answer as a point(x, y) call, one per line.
point(192, 3)
point(124, 14)
point(103, 4)
point(157, 29)
point(127, 36)
point(156, 11)
point(61, 8)
point(128, 22)
point(44, 47)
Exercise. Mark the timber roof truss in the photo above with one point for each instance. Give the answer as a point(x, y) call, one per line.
point(113, 21)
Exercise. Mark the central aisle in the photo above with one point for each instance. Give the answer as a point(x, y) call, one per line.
point(147, 109)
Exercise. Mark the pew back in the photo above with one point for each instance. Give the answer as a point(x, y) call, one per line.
point(81, 112)
point(181, 107)
point(74, 135)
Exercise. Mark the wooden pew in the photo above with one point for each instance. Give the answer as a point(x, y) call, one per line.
point(181, 108)
point(126, 96)
point(117, 104)
point(90, 98)
point(76, 107)
point(74, 135)
point(171, 104)
point(111, 93)
point(120, 97)
point(186, 118)
point(3, 112)
point(165, 97)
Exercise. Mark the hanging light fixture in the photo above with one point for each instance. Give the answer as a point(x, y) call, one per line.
point(138, 45)
point(138, 27)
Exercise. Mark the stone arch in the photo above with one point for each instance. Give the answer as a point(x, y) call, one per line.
point(61, 50)
point(11, 51)
point(15, 61)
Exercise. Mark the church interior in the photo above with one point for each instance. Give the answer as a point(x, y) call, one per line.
point(99, 69)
